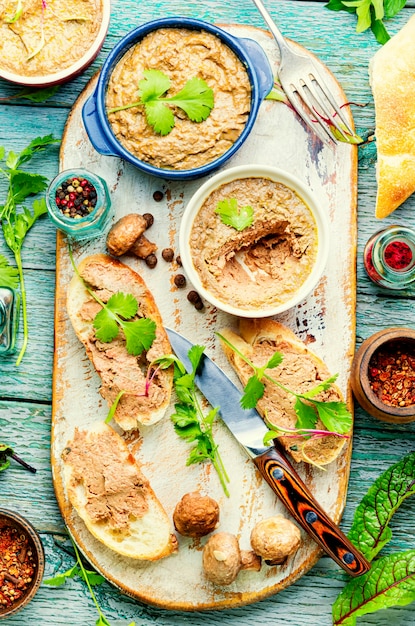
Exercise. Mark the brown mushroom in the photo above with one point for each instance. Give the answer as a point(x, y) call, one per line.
point(142, 247)
point(124, 233)
point(196, 515)
point(275, 539)
point(223, 559)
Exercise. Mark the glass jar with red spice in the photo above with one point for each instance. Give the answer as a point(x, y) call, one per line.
point(389, 257)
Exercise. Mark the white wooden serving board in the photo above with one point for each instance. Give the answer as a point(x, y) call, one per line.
point(325, 321)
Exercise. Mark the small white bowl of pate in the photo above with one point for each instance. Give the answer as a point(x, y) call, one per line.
point(254, 241)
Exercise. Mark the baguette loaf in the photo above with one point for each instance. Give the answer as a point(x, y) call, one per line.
point(108, 491)
point(300, 371)
point(392, 79)
point(119, 370)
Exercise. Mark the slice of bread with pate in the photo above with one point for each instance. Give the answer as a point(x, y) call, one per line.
point(141, 403)
point(107, 489)
point(300, 371)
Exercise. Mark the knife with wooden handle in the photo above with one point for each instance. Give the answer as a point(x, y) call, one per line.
point(249, 429)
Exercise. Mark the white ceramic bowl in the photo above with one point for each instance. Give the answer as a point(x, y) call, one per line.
point(64, 75)
point(276, 175)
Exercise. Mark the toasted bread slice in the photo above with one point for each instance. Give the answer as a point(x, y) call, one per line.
point(107, 489)
point(299, 371)
point(392, 78)
point(119, 371)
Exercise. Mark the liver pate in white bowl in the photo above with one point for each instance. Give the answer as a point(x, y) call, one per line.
point(254, 241)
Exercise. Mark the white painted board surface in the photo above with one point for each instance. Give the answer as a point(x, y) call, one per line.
point(325, 321)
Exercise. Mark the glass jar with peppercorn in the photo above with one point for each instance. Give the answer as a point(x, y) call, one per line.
point(383, 375)
point(389, 257)
point(79, 204)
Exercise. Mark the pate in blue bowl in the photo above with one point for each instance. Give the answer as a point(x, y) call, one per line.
point(129, 114)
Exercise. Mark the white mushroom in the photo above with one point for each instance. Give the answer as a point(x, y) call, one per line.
point(223, 559)
point(275, 539)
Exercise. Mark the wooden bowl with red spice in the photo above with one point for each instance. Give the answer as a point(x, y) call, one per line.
point(383, 375)
point(22, 562)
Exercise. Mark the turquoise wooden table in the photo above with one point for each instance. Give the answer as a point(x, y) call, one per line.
point(26, 391)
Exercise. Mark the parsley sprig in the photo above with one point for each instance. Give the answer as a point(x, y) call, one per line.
point(16, 219)
point(233, 215)
point(90, 577)
point(190, 423)
point(370, 14)
point(195, 99)
point(334, 415)
point(117, 314)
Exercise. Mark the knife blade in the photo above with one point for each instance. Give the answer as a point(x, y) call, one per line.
point(249, 429)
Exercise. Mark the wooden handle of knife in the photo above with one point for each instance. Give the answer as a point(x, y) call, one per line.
point(285, 482)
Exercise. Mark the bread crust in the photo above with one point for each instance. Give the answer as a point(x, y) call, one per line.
point(300, 371)
point(118, 370)
point(392, 79)
point(100, 474)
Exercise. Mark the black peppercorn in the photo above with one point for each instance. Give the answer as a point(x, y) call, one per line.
point(179, 260)
point(180, 280)
point(199, 305)
point(158, 196)
point(149, 219)
point(193, 296)
point(151, 260)
point(167, 254)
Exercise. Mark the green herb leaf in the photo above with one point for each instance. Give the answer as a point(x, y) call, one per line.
point(370, 14)
point(253, 391)
point(38, 95)
point(334, 415)
point(114, 405)
point(389, 582)
point(370, 530)
point(232, 215)
point(5, 452)
point(306, 414)
point(189, 421)
point(195, 99)
point(9, 275)
point(153, 85)
point(139, 334)
point(60, 579)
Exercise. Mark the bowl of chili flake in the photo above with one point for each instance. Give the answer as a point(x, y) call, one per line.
point(383, 375)
point(22, 562)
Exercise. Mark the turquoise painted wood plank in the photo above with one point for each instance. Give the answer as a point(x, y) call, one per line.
point(26, 424)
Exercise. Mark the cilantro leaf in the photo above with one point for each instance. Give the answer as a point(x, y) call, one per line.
point(306, 414)
point(232, 215)
point(125, 305)
point(9, 275)
point(334, 415)
point(195, 354)
point(253, 391)
point(153, 85)
point(196, 99)
point(139, 335)
point(160, 117)
point(370, 14)
point(60, 579)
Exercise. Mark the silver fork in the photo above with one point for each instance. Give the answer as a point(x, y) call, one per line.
point(306, 89)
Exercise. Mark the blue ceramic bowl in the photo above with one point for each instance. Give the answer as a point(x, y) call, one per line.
point(94, 114)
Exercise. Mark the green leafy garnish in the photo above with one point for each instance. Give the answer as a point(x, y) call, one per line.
point(90, 577)
point(370, 14)
point(9, 275)
point(195, 99)
point(391, 579)
point(233, 215)
point(17, 223)
point(7, 453)
point(116, 314)
point(334, 415)
point(189, 421)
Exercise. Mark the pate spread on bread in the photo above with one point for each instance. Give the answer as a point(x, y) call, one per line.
point(300, 371)
point(107, 489)
point(392, 79)
point(120, 371)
